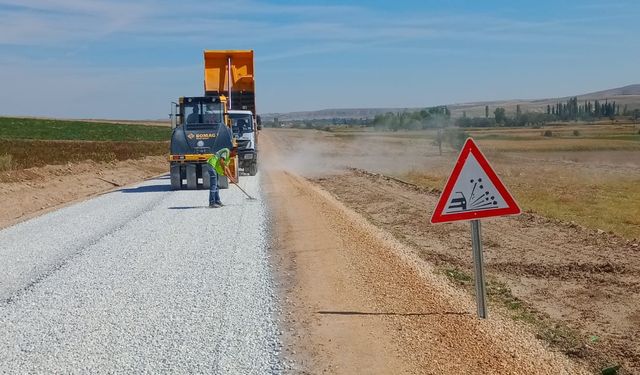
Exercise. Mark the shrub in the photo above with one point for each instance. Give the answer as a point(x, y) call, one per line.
point(6, 162)
point(35, 153)
point(455, 137)
point(576, 133)
point(548, 133)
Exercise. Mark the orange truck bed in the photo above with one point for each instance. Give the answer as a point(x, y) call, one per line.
point(231, 69)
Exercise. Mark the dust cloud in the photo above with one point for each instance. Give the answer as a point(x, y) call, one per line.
point(313, 153)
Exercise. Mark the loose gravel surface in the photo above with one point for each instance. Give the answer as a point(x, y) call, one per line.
point(141, 280)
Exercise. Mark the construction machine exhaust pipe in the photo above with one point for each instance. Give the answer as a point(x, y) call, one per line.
point(229, 80)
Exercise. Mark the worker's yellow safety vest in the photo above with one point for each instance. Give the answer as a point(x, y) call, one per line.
point(215, 160)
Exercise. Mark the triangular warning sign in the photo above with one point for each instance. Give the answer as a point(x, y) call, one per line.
point(473, 191)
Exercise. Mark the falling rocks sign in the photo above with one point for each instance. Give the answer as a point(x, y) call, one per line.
point(473, 191)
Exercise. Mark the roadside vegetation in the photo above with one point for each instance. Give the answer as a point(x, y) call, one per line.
point(21, 154)
point(440, 117)
point(27, 143)
point(25, 128)
point(591, 179)
point(556, 334)
point(583, 173)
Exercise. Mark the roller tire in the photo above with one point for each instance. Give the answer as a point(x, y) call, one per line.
point(253, 169)
point(223, 182)
point(176, 178)
point(192, 177)
point(206, 178)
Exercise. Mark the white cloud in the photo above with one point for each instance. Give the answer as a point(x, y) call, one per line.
point(59, 32)
point(40, 22)
point(47, 22)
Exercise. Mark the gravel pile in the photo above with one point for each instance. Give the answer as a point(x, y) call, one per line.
point(143, 281)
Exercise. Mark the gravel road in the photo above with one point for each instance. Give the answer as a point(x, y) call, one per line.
point(140, 280)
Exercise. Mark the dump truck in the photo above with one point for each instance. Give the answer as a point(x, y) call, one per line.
point(203, 125)
point(230, 73)
point(245, 129)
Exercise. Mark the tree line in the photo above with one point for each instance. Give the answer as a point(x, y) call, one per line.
point(588, 110)
point(434, 117)
point(440, 117)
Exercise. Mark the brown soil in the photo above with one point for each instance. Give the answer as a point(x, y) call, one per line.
point(585, 280)
point(359, 301)
point(52, 152)
point(42, 189)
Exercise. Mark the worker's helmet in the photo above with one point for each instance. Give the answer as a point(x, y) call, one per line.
point(223, 153)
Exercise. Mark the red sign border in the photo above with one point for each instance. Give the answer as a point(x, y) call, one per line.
point(470, 147)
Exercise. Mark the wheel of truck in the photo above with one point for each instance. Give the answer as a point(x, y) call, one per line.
point(192, 177)
point(206, 178)
point(223, 182)
point(176, 178)
point(253, 169)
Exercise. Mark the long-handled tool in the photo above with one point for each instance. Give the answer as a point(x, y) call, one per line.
point(245, 193)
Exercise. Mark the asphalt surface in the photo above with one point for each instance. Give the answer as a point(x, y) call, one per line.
point(141, 280)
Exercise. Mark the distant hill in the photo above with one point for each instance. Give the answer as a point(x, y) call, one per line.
point(627, 95)
point(620, 91)
point(332, 113)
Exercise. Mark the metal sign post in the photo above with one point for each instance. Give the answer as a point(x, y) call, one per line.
point(478, 265)
point(472, 192)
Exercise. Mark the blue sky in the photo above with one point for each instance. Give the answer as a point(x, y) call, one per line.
point(129, 59)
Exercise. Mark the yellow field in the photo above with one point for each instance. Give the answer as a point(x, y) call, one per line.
point(592, 179)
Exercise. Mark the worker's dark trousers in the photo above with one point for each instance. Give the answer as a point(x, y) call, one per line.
point(214, 192)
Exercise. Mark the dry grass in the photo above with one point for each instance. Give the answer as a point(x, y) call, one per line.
point(564, 138)
point(34, 153)
point(30, 142)
point(6, 162)
point(558, 144)
point(562, 130)
point(601, 201)
point(598, 197)
point(592, 179)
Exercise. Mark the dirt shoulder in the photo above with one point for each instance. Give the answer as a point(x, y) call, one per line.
point(359, 301)
point(40, 190)
point(578, 287)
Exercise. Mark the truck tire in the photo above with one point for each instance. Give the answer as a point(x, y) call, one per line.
point(253, 169)
point(176, 178)
point(223, 182)
point(206, 179)
point(192, 177)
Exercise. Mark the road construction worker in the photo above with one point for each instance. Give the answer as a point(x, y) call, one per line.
point(210, 116)
point(218, 166)
point(194, 117)
point(242, 124)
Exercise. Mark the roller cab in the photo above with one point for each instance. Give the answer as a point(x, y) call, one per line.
point(201, 127)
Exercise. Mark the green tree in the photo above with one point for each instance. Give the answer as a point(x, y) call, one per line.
point(455, 137)
point(486, 111)
point(500, 115)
